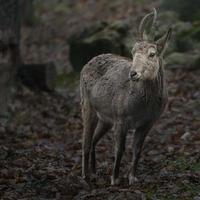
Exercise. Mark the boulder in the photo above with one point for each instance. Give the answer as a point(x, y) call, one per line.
point(179, 41)
point(97, 39)
point(5, 87)
point(164, 21)
point(185, 34)
point(38, 76)
point(127, 45)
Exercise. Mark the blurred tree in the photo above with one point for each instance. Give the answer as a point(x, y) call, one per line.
point(188, 10)
point(9, 48)
point(27, 12)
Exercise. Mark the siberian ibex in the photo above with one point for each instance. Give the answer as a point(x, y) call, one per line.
point(123, 94)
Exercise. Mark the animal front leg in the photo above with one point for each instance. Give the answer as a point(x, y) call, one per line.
point(138, 141)
point(120, 132)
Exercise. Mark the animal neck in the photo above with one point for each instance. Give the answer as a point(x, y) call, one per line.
point(154, 88)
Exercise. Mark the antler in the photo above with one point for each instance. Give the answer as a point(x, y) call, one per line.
point(149, 19)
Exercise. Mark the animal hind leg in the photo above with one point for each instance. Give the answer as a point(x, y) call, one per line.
point(100, 131)
point(89, 124)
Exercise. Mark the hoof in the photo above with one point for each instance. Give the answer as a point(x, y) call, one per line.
point(132, 180)
point(115, 181)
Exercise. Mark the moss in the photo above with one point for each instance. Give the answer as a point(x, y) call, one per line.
point(183, 60)
point(119, 27)
point(61, 8)
point(88, 31)
point(191, 188)
point(197, 15)
point(195, 167)
point(127, 46)
point(67, 80)
point(153, 192)
point(194, 32)
point(105, 34)
point(176, 59)
point(180, 164)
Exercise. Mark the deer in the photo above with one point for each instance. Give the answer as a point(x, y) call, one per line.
point(123, 94)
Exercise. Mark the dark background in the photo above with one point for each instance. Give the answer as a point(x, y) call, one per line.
point(44, 45)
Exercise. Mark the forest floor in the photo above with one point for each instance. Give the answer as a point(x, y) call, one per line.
point(40, 149)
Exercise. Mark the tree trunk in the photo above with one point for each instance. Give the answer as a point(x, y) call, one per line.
point(9, 48)
point(27, 12)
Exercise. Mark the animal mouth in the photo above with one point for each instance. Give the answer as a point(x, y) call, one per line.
point(135, 77)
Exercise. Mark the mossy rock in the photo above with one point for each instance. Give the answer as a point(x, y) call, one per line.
point(68, 82)
point(188, 61)
point(196, 64)
point(95, 40)
point(127, 45)
point(184, 33)
point(88, 31)
point(165, 20)
point(188, 37)
point(184, 42)
point(194, 32)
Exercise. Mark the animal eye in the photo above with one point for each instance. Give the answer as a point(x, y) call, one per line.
point(152, 54)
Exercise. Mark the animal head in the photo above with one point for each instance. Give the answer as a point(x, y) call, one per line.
point(147, 52)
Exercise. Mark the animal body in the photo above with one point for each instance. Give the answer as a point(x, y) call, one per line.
point(123, 94)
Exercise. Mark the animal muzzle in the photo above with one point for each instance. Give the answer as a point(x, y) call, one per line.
point(134, 76)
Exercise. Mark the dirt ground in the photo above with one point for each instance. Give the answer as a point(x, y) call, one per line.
point(40, 146)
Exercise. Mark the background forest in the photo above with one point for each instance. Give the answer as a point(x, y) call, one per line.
point(44, 45)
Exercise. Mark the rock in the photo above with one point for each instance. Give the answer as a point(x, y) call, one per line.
point(197, 198)
point(164, 172)
point(181, 40)
point(186, 136)
point(5, 88)
point(38, 76)
point(170, 149)
point(127, 45)
point(95, 40)
point(76, 183)
point(2, 130)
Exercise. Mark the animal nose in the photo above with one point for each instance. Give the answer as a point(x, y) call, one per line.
point(133, 74)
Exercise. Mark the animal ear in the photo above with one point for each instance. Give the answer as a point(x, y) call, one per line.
point(163, 41)
point(147, 24)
